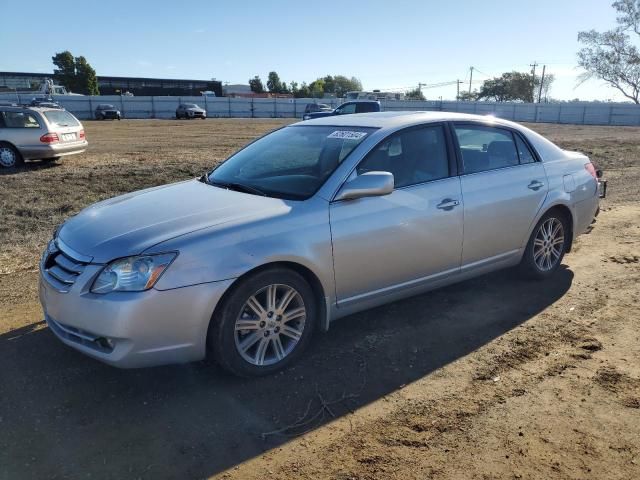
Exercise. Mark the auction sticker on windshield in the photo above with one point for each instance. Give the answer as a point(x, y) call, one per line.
point(347, 134)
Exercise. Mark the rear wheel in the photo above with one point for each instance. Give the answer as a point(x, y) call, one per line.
point(264, 324)
point(546, 247)
point(9, 156)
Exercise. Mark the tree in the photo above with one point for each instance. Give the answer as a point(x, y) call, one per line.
point(76, 74)
point(317, 88)
point(273, 83)
point(510, 86)
point(613, 56)
point(65, 74)
point(86, 80)
point(303, 91)
point(468, 96)
point(256, 85)
point(415, 94)
point(546, 85)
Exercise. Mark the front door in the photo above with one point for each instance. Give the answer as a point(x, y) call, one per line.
point(381, 244)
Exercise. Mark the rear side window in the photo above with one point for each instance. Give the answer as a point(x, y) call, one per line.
point(19, 120)
point(485, 148)
point(523, 151)
point(365, 107)
point(413, 156)
point(61, 118)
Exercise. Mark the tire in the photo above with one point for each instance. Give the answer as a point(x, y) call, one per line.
point(9, 156)
point(270, 342)
point(546, 246)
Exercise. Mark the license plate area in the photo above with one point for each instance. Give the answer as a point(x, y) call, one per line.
point(68, 137)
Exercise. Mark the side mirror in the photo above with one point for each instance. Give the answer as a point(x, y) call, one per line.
point(369, 184)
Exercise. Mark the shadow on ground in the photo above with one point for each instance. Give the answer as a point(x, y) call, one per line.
point(63, 415)
point(30, 165)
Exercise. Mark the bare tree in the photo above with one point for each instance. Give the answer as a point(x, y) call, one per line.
point(613, 56)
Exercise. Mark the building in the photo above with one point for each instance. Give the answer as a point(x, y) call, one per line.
point(117, 85)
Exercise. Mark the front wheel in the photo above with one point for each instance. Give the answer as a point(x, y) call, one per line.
point(546, 247)
point(264, 324)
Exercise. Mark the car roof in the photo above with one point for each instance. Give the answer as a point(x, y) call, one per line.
point(29, 107)
point(394, 120)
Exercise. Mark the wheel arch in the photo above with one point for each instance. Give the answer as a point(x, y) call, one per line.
point(565, 211)
point(311, 278)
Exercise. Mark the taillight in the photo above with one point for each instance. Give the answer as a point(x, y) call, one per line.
point(81, 134)
point(49, 138)
point(591, 169)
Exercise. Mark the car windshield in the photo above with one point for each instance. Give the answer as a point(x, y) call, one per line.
point(190, 105)
point(105, 107)
point(291, 163)
point(61, 118)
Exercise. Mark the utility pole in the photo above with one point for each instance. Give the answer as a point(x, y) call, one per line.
point(470, 79)
point(458, 82)
point(533, 82)
point(544, 67)
point(420, 85)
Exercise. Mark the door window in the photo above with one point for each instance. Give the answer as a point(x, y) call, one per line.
point(350, 108)
point(485, 148)
point(19, 120)
point(413, 156)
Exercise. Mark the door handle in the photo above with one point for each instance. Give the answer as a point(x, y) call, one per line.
point(535, 185)
point(448, 204)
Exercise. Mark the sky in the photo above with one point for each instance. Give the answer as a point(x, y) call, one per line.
point(387, 45)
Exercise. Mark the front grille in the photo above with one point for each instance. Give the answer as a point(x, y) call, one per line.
point(60, 269)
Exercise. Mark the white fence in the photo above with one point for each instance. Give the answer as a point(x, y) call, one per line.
point(164, 107)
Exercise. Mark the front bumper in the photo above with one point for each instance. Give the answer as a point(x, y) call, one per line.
point(33, 152)
point(132, 329)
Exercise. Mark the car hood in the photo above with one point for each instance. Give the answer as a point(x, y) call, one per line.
point(131, 223)
point(328, 113)
point(195, 109)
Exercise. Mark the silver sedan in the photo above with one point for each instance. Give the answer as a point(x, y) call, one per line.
point(308, 224)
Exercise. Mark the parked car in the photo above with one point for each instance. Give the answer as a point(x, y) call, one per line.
point(106, 110)
point(317, 107)
point(310, 223)
point(28, 133)
point(190, 110)
point(358, 106)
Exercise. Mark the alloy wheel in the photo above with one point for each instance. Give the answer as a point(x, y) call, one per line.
point(8, 157)
point(548, 244)
point(270, 325)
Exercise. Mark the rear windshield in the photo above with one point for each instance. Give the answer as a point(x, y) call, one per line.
point(61, 118)
point(105, 106)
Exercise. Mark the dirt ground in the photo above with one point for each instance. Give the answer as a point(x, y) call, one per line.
point(491, 378)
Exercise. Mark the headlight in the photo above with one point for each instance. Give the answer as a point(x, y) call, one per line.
point(132, 274)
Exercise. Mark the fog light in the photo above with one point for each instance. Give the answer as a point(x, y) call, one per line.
point(105, 343)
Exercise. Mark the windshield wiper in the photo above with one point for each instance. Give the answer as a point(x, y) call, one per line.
point(238, 187)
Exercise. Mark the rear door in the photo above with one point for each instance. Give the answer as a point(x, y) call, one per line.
point(414, 235)
point(20, 128)
point(503, 185)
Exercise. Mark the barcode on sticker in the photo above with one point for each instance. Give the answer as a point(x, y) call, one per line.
point(347, 134)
